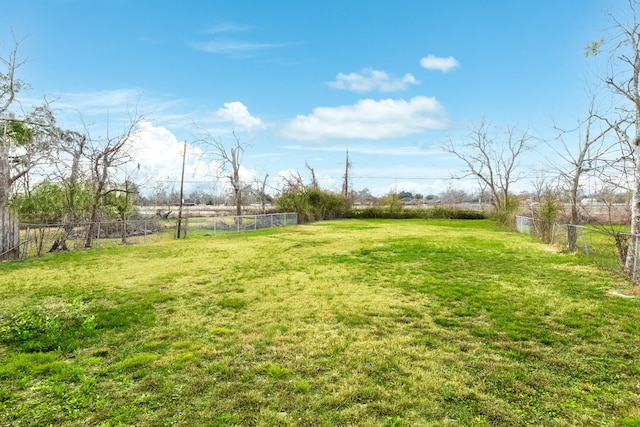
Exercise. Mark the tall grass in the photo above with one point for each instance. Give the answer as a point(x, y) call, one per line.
point(355, 322)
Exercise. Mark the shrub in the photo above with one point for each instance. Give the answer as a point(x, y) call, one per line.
point(312, 204)
point(505, 212)
point(435, 212)
point(547, 213)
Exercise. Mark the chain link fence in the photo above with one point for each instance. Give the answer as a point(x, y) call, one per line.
point(525, 225)
point(39, 239)
point(607, 246)
point(218, 224)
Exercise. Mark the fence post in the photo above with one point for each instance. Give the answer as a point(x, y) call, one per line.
point(98, 237)
point(144, 238)
point(255, 223)
point(26, 243)
point(584, 238)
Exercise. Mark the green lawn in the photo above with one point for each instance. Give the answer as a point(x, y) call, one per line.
point(363, 322)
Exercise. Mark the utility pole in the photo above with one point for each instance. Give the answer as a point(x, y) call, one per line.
point(345, 185)
point(184, 157)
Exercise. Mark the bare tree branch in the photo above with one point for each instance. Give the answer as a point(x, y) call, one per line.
point(491, 159)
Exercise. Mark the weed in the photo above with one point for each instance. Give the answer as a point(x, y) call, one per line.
point(232, 303)
point(302, 386)
point(135, 361)
point(276, 372)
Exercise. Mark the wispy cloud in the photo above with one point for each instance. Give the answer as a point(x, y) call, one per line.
point(229, 46)
point(432, 62)
point(100, 101)
point(226, 27)
point(224, 42)
point(368, 80)
point(369, 119)
point(407, 150)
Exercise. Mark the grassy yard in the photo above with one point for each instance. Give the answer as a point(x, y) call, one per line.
point(369, 323)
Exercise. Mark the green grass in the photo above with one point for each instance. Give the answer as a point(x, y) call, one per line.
point(358, 322)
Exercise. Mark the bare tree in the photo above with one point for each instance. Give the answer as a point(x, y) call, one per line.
point(589, 156)
point(493, 160)
point(314, 178)
point(261, 191)
point(623, 79)
point(105, 156)
point(229, 161)
point(292, 182)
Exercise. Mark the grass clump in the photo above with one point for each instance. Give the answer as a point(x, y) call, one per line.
point(232, 303)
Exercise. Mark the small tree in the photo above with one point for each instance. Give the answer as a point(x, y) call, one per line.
point(105, 156)
point(546, 214)
point(393, 203)
point(120, 202)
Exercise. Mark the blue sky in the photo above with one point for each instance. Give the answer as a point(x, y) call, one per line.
point(303, 81)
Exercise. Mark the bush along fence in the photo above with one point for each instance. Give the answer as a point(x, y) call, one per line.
point(214, 225)
point(605, 245)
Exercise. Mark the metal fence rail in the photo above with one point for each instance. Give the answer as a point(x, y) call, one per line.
point(241, 223)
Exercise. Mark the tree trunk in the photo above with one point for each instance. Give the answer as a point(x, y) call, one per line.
point(123, 232)
point(572, 232)
point(9, 234)
point(238, 197)
point(631, 255)
point(9, 231)
point(91, 230)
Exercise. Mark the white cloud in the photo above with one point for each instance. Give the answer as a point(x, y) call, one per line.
point(369, 79)
point(159, 154)
point(432, 62)
point(238, 114)
point(369, 119)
